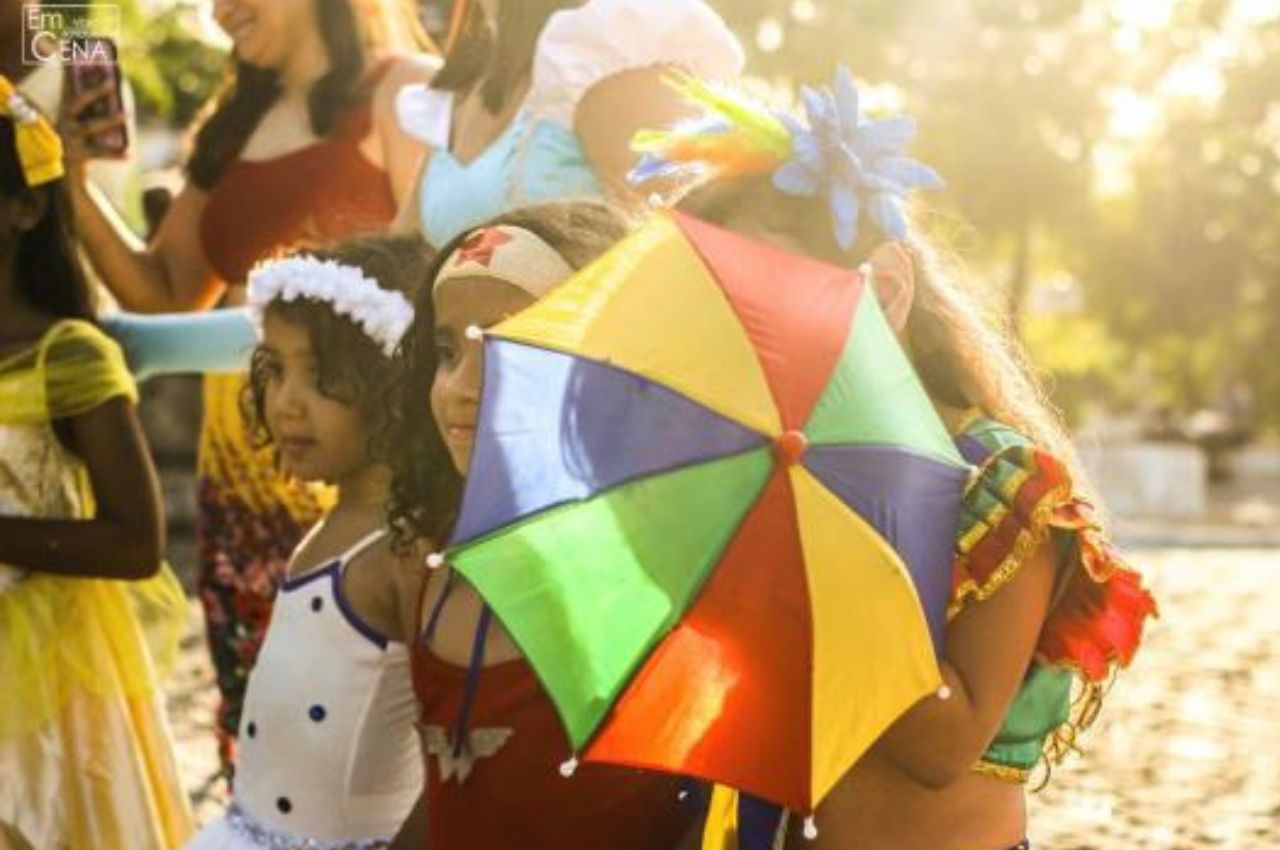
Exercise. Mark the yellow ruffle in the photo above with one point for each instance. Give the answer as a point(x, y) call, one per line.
point(82, 718)
point(74, 368)
point(1002, 772)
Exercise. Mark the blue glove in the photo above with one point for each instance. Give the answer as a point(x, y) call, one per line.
point(179, 343)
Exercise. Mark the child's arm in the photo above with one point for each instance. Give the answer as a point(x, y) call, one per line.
point(413, 833)
point(183, 343)
point(411, 580)
point(125, 540)
point(989, 647)
point(384, 587)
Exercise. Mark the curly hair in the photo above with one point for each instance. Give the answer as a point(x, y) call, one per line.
point(350, 367)
point(425, 492)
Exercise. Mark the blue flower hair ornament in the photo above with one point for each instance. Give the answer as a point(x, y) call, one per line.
point(858, 163)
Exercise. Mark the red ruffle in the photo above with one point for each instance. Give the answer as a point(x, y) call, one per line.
point(1098, 621)
point(1097, 617)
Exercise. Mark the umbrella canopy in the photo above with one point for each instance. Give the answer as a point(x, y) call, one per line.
point(711, 502)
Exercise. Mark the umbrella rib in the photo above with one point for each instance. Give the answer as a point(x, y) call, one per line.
point(660, 634)
point(538, 514)
point(898, 447)
point(613, 367)
point(670, 623)
point(716, 415)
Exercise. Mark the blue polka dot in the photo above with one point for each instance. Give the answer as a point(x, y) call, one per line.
point(316, 713)
point(316, 603)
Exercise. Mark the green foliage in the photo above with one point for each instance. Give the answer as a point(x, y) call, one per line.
point(173, 72)
point(1180, 274)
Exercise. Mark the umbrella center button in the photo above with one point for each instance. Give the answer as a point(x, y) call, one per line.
point(790, 447)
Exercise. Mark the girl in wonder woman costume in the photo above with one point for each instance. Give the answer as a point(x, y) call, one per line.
point(492, 740)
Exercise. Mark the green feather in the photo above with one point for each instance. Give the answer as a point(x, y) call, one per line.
point(760, 128)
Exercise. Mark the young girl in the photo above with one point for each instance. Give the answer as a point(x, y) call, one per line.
point(328, 749)
point(1040, 598)
point(302, 147)
point(491, 738)
point(85, 756)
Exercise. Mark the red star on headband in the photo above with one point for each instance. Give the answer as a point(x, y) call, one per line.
point(479, 247)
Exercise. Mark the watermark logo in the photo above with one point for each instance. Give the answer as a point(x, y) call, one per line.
point(69, 33)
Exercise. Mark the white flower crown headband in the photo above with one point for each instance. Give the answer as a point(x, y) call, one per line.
point(383, 315)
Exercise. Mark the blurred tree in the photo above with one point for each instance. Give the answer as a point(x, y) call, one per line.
point(172, 69)
point(1028, 108)
point(1186, 268)
point(1008, 95)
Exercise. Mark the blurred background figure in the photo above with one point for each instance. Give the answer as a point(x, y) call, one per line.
point(538, 101)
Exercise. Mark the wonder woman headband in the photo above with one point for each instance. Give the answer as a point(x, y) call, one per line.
point(39, 146)
point(382, 314)
point(511, 254)
point(858, 163)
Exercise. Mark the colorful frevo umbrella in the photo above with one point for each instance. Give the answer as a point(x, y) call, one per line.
point(712, 504)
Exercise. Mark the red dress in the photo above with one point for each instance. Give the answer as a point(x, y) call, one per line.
point(250, 518)
point(503, 789)
point(318, 194)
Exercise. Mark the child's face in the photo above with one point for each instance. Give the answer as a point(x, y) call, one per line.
point(455, 394)
point(319, 439)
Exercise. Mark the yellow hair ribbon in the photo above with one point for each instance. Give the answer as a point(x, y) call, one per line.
point(39, 146)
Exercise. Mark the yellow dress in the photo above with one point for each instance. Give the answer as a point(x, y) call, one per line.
point(86, 758)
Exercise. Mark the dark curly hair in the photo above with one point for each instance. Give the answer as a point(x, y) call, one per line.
point(351, 367)
point(426, 490)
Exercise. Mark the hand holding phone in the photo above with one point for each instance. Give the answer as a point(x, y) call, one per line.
point(93, 77)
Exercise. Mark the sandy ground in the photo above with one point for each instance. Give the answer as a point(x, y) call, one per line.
point(1186, 753)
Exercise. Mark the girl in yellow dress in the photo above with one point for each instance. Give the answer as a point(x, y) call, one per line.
point(87, 610)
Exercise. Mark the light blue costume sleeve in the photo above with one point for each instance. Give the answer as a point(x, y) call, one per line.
point(182, 343)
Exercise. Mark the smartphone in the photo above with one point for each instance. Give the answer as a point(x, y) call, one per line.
point(94, 62)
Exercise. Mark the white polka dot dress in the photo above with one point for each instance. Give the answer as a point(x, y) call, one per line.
point(329, 754)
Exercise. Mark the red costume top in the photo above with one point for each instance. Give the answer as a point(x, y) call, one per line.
point(495, 746)
point(323, 192)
